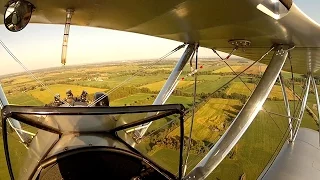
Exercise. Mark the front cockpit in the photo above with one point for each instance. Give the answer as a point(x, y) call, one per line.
point(81, 142)
point(99, 99)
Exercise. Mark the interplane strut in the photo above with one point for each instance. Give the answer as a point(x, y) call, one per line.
point(170, 84)
point(244, 118)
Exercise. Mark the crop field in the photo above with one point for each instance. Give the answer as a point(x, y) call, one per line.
point(211, 119)
point(45, 96)
point(206, 78)
point(147, 99)
point(240, 88)
point(24, 99)
point(115, 81)
point(252, 70)
point(158, 85)
point(252, 152)
point(208, 86)
point(130, 100)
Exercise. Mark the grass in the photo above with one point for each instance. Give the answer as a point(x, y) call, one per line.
point(46, 96)
point(168, 159)
point(23, 99)
point(17, 156)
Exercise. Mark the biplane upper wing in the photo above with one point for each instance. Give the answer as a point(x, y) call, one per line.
point(211, 23)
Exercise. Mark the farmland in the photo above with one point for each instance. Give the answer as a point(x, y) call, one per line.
point(212, 119)
point(253, 70)
point(158, 85)
point(45, 95)
point(239, 87)
point(213, 114)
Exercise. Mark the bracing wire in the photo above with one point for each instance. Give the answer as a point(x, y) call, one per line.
point(292, 81)
point(193, 113)
point(272, 158)
point(264, 55)
point(27, 70)
point(245, 84)
point(133, 76)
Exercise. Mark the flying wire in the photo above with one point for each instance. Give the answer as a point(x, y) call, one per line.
point(232, 79)
point(272, 158)
point(224, 60)
point(292, 81)
point(193, 113)
point(27, 70)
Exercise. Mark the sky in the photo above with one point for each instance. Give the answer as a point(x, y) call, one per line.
point(39, 46)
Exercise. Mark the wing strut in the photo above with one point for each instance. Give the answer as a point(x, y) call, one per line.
point(244, 118)
point(286, 103)
point(170, 84)
point(315, 88)
point(303, 107)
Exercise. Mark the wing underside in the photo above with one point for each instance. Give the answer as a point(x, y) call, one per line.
point(211, 23)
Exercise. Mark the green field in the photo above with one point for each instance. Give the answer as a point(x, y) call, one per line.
point(240, 88)
point(147, 99)
point(116, 80)
point(211, 119)
point(17, 153)
point(158, 85)
point(130, 100)
point(208, 86)
point(205, 78)
point(23, 99)
point(253, 151)
point(252, 70)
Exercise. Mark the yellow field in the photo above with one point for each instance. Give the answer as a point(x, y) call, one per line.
point(47, 96)
point(18, 79)
point(238, 69)
point(210, 120)
point(158, 85)
point(277, 92)
point(240, 88)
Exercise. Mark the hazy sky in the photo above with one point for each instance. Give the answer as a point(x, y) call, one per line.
point(40, 46)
